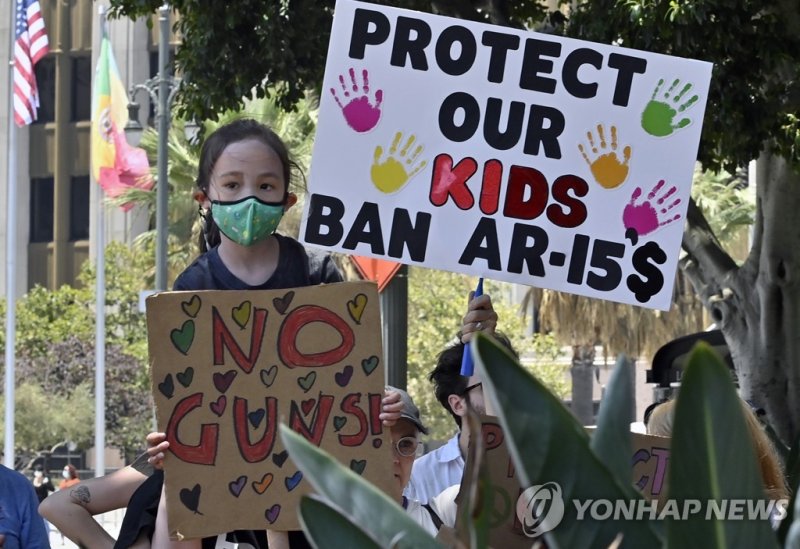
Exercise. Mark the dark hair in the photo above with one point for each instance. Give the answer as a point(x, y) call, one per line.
point(233, 132)
point(446, 376)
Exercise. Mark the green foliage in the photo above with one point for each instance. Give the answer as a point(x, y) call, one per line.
point(226, 53)
point(42, 421)
point(755, 48)
point(726, 203)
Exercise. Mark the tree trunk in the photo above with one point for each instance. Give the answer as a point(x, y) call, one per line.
point(757, 305)
point(582, 371)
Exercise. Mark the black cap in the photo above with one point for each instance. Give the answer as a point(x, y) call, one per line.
point(410, 410)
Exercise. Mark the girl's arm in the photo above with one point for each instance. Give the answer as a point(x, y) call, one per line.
point(161, 534)
point(72, 510)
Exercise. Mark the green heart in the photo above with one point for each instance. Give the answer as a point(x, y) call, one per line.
point(191, 307)
point(185, 377)
point(182, 339)
point(358, 465)
point(369, 364)
point(308, 381)
point(241, 314)
point(338, 422)
point(268, 375)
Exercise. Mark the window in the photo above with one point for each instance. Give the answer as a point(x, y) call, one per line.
point(41, 209)
point(45, 71)
point(81, 89)
point(79, 208)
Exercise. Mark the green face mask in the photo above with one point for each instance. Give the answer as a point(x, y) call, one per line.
point(247, 221)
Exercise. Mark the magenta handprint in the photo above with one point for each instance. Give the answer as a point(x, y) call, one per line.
point(651, 214)
point(359, 111)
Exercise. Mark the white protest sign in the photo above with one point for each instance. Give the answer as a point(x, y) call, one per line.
point(496, 152)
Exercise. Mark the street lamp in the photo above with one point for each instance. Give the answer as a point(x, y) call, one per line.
point(161, 89)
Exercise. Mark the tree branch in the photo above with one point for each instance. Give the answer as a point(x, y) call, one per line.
point(704, 249)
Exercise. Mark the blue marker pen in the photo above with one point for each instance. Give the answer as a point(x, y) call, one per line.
point(467, 365)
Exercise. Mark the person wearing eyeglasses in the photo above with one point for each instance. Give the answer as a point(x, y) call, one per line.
point(443, 467)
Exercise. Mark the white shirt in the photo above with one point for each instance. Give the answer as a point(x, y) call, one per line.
point(435, 471)
point(422, 517)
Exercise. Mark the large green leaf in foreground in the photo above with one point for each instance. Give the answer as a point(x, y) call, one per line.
point(547, 444)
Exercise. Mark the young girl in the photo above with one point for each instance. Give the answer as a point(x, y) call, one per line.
point(243, 192)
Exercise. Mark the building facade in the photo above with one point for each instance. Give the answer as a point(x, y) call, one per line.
point(57, 199)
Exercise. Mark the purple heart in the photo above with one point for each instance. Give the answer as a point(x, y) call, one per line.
point(272, 513)
point(223, 381)
point(343, 377)
point(237, 485)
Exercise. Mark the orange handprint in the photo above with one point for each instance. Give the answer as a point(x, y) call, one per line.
point(607, 168)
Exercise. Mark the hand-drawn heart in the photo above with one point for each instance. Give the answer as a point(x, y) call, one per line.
point(377, 442)
point(343, 377)
point(182, 339)
point(218, 407)
point(191, 307)
point(292, 481)
point(241, 314)
point(167, 387)
point(358, 465)
point(308, 381)
point(236, 486)
point(369, 364)
point(191, 498)
point(282, 303)
point(272, 513)
point(356, 307)
point(308, 405)
point(268, 375)
point(223, 381)
point(185, 377)
point(280, 459)
point(261, 487)
point(256, 417)
point(338, 422)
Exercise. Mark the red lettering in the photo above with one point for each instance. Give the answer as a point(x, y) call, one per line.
point(576, 209)
point(521, 179)
point(253, 453)
point(490, 187)
point(450, 181)
point(224, 340)
point(350, 406)
point(204, 453)
point(318, 421)
point(375, 408)
point(299, 318)
point(492, 435)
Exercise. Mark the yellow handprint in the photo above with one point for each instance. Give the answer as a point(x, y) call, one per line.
point(391, 174)
point(607, 168)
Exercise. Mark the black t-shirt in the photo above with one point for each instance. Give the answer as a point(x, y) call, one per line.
point(297, 267)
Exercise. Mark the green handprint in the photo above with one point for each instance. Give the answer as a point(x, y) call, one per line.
point(390, 174)
point(658, 117)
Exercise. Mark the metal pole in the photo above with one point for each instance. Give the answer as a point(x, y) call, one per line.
point(394, 304)
point(162, 192)
point(11, 255)
point(100, 323)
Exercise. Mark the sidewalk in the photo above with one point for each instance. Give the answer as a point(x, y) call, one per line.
point(111, 522)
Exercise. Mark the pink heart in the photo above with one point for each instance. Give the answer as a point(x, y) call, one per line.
point(308, 405)
point(272, 513)
point(219, 406)
point(223, 381)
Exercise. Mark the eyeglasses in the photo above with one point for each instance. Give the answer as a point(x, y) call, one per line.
point(471, 387)
point(407, 446)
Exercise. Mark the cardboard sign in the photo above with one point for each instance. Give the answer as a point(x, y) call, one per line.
point(649, 461)
point(497, 152)
point(228, 366)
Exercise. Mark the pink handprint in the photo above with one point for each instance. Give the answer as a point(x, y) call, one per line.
point(359, 112)
point(646, 217)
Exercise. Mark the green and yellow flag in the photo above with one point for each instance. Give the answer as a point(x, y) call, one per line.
point(115, 164)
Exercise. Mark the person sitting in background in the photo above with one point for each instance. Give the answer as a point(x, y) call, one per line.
point(444, 467)
point(660, 423)
point(70, 475)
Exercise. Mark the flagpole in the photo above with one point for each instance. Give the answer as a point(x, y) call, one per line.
point(100, 317)
point(11, 253)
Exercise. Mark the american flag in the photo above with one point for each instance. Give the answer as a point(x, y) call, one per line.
point(30, 46)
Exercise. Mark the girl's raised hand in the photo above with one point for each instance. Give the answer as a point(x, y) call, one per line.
point(156, 447)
